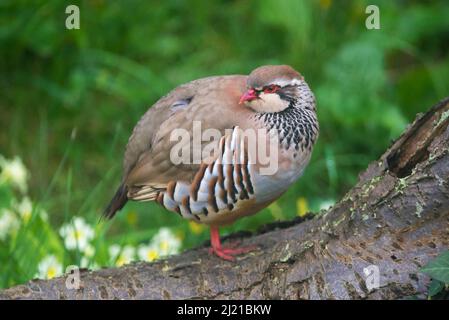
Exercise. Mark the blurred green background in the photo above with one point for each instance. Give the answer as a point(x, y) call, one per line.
point(70, 98)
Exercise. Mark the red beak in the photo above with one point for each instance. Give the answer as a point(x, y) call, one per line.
point(249, 95)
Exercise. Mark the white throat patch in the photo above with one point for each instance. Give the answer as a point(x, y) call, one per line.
point(269, 102)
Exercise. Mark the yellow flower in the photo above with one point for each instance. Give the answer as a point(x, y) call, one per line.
point(196, 228)
point(164, 245)
point(148, 253)
point(302, 206)
point(121, 256)
point(77, 234)
point(49, 268)
point(167, 242)
point(152, 255)
point(52, 272)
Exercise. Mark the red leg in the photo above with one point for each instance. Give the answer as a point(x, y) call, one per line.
point(224, 253)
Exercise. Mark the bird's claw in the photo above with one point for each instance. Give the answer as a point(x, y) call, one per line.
point(229, 253)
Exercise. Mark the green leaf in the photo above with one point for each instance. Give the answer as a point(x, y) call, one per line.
point(435, 287)
point(438, 268)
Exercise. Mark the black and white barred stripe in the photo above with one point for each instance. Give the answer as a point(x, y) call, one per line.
point(217, 187)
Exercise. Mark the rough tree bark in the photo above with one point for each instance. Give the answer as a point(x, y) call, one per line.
point(396, 218)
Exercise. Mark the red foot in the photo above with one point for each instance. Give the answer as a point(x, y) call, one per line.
point(225, 253)
point(228, 253)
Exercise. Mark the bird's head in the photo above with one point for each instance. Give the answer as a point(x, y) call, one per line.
point(274, 88)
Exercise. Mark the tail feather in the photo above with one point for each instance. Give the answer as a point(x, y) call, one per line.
point(118, 201)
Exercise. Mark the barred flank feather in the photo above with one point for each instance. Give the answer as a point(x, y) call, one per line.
point(118, 201)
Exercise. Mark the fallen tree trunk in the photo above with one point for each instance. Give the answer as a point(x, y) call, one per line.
point(371, 244)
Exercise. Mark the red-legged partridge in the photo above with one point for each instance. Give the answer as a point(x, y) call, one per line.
point(220, 148)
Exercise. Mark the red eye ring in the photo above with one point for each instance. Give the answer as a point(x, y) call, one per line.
point(271, 88)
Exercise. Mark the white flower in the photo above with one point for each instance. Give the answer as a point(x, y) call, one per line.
point(148, 252)
point(14, 172)
point(88, 264)
point(166, 241)
point(121, 256)
point(84, 262)
point(25, 209)
point(89, 251)
point(49, 268)
point(87, 261)
point(114, 251)
point(9, 223)
point(77, 234)
point(88, 254)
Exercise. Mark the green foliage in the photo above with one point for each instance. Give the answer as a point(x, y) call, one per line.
point(70, 98)
point(438, 269)
point(31, 246)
